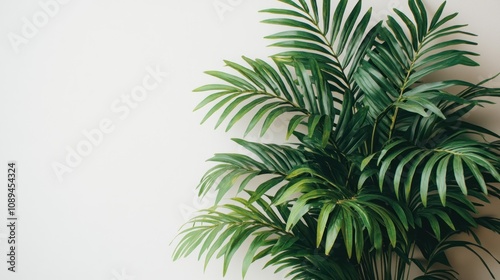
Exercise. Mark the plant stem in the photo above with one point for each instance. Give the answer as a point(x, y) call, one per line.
point(410, 266)
point(403, 88)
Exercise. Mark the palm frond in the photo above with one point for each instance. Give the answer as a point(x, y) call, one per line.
point(438, 256)
point(267, 92)
point(391, 77)
point(457, 160)
point(239, 170)
point(337, 39)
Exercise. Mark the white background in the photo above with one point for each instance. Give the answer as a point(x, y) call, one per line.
point(115, 214)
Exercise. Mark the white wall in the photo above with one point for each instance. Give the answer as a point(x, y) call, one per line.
point(116, 212)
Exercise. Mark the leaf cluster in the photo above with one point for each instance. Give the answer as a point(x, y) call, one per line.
point(382, 162)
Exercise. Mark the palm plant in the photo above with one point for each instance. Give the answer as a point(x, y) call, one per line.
point(378, 162)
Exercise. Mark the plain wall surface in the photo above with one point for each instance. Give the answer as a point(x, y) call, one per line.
point(113, 214)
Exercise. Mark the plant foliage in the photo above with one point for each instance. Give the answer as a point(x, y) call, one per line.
point(380, 162)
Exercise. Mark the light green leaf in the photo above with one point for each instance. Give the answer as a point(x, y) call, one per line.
point(323, 218)
point(336, 224)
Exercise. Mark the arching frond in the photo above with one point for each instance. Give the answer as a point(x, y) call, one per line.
point(391, 77)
